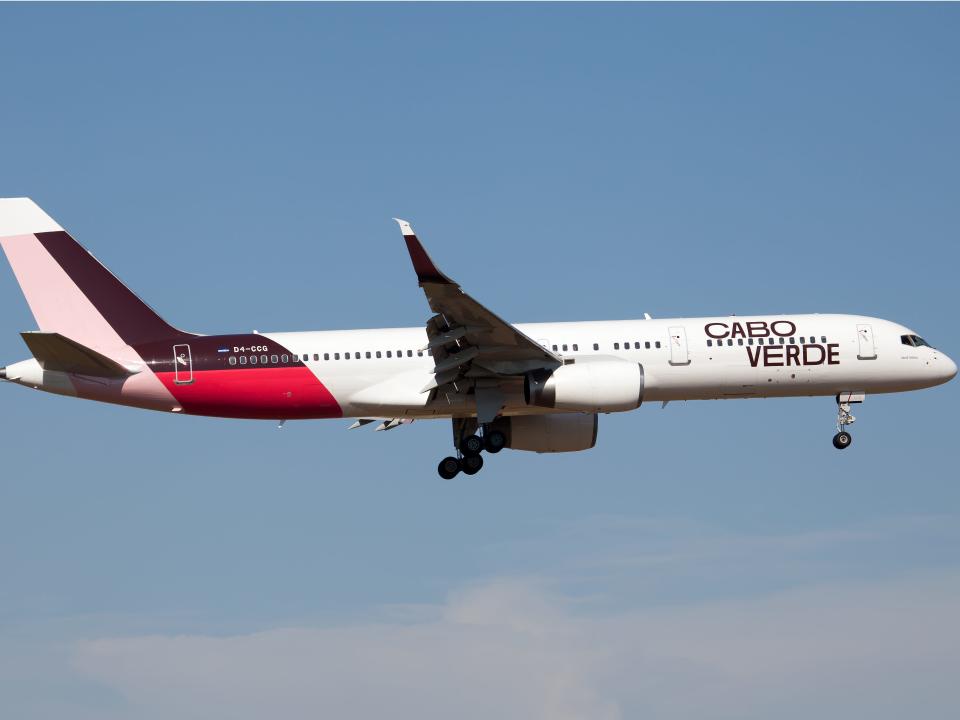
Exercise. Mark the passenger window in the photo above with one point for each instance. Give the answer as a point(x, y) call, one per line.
point(564, 348)
point(326, 356)
point(389, 353)
point(378, 354)
point(729, 342)
point(616, 346)
point(783, 341)
point(793, 341)
point(739, 341)
point(232, 360)
point(647, 345)
point(596, 346)
point(253, 359)
point(636, 346)
point(419, 353)
point(575, 348)
point(555, 348)
point(273, 359)
point(709, 342)
point(823, 338)
point(336, 356)
point(263, 359)
point(368, 354)
point(749, 341)
point(658, 344)
point(284, 359)
point(243, 360)
point(409, 353)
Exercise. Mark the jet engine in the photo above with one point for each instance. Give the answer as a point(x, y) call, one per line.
point(562, 432)
point(608, 385)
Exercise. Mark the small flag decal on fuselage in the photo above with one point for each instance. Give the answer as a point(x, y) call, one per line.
point(223, 350)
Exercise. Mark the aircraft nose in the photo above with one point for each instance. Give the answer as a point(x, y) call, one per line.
point(949, 369)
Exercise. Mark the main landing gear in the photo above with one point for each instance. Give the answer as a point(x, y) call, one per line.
point(469, 460)
point(842, 440)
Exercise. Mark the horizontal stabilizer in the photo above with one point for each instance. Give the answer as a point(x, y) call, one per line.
point(58, 353)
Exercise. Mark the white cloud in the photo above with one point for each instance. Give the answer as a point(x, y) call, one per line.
point(515, 649)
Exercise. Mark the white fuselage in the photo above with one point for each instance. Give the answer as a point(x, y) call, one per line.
point(833, 354)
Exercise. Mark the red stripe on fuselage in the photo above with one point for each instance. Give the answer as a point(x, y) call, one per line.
point(266, 393)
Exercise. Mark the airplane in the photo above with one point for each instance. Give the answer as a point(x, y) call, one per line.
point(537, 387)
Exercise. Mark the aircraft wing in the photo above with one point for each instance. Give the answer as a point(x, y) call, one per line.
point(466, 339)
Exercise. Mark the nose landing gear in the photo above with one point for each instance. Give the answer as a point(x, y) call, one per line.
point(842, 439)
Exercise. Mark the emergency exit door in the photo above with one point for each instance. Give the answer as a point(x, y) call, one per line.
point(679, 355)
point(867, 345)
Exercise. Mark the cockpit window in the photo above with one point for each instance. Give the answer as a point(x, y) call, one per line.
point(914, 341)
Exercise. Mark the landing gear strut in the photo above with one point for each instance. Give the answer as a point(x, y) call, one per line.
point(842, 439)
point(469, 446)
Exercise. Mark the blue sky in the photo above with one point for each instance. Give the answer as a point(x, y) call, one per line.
point(238, 167)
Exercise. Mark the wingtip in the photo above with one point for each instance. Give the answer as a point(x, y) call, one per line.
point(405, 227)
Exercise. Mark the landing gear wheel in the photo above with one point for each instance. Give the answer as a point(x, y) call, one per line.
point(448, 468)
point(471, 445)
point(494, 441)
point(842, 440)
point(472, 464)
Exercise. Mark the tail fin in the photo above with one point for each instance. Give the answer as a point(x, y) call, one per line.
point(68, 290)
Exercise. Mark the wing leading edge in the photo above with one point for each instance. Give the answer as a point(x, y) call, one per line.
point(467, 340)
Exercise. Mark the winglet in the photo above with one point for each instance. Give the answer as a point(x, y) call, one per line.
point(427, 271)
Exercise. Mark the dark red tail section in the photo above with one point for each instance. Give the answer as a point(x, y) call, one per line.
point(132, 319)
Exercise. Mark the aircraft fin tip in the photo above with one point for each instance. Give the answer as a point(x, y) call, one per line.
point(405, 227)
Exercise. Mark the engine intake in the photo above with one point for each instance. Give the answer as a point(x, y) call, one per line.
point(591, 386)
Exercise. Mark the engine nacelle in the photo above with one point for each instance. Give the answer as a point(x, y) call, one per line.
point(549, 433)
point(590, 386)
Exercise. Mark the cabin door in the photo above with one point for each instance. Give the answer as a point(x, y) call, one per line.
point(679, 355)
point(867, 345)
point(182, 365)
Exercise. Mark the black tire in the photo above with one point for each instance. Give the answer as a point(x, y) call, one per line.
point(472, 464)
point(448, 468)
point(494, 441)
point(842, 440)
point(471, 445)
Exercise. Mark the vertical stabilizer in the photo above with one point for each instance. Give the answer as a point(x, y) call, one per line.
point(68, 290)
